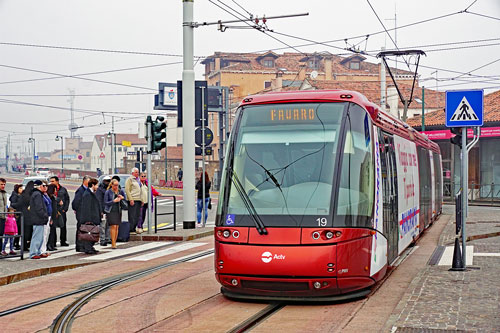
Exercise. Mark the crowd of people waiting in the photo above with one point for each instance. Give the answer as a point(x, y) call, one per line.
point(44, 208)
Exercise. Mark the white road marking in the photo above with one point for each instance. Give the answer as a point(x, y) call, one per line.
point(130, 250)
point(166, 252)
point(487, 254)
point(447, 257)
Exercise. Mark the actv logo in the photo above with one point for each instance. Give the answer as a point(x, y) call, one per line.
point(268, 256)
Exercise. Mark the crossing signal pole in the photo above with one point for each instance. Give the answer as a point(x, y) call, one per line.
point(155, 135)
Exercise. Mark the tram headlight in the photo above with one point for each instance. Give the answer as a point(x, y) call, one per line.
point(317, 285)
point(329, 235)
point(236, 234)
point(338, 234)
point(316, 235)
point(226, 233)
point(234, 282)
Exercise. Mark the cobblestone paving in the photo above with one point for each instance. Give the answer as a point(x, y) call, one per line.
point(439, 299)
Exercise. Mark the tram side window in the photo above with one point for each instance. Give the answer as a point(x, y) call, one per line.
point(355, 198)
point(425, 181)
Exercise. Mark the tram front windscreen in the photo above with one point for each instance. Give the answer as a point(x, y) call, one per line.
point(283, 157)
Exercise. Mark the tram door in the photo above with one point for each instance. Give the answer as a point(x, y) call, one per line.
point(390, 193)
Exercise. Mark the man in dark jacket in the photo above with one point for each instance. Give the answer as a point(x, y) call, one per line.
point(77, 201)
point(62, 199)
point(90, 211)
point(104, 235)
point(39, 217)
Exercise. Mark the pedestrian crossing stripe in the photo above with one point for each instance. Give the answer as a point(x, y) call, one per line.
point(464, 112)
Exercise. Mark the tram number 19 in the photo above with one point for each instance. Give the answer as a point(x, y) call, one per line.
point(322, 221)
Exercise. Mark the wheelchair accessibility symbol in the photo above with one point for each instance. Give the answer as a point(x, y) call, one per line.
point(230, 219)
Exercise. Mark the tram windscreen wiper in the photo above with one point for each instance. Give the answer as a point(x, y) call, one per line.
point(259, 225)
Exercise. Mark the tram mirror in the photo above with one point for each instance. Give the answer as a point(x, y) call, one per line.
point(349, 144)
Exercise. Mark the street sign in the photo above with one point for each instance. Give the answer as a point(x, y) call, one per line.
point(198, 137)
point(127, 143)
point(102, 155)
point(464, 108)
point(36, 157)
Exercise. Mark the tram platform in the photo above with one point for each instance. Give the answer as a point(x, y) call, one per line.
point(465, 301)
point(13, 269)
point(177, 235)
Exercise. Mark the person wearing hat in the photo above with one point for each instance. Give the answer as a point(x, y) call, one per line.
point(104, 235)
point(39, 217)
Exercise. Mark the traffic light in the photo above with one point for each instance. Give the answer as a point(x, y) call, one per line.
point(457, 139)
point(157, 133)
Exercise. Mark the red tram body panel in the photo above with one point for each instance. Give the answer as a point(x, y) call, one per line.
point(321, 192)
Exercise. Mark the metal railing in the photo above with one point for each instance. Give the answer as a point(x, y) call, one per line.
point(19, 235)
point(477, 193)
point(161, 214)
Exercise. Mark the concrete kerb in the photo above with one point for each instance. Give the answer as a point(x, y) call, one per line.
point(4, 280)
point(177, 236)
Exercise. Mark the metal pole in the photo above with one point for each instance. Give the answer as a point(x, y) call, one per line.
point(188, 157)
point(62, 155)
point(203, 157)
point(113, 142)
point(423, 109)
point(465, 194)
point(382, 84)
point(149, 174)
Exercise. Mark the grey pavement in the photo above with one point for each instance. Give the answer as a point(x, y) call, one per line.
point(464, 301)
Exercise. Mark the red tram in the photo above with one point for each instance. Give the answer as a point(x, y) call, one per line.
point(321, 192)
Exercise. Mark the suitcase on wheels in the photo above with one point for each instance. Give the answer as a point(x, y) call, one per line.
point(123, 232)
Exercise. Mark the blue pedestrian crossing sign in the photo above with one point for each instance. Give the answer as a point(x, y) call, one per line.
point(464, 108)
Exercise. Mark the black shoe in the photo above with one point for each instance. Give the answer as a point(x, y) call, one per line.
point(93, 251)
point(51, 248)
point(79, 250)
point(103, 244)
point(64, 244)
point(17, 247)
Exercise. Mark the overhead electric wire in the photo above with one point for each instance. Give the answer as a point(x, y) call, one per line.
point(257, 28)
point(482, 15)
point(88, 111)
point(95, 50)
point(76, 95)
point(79, 76)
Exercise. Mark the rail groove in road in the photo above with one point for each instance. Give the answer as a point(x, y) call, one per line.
point(99, 285)
point(257, 318)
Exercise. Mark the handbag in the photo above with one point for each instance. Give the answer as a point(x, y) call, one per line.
point(88, 232)
point(59, 222)
point(209, 203)
point(123, 205)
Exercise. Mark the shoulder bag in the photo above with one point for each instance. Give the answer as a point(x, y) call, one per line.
point(88, 232)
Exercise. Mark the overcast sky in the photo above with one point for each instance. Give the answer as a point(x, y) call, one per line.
point(154, 26)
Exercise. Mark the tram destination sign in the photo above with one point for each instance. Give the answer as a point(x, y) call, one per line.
point(464, 108)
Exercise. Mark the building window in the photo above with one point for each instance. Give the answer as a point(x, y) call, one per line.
point(120, 149)
point(267, 84)
point(354, 65)
point(268, 63)
point(313, 63)
point(87, 154)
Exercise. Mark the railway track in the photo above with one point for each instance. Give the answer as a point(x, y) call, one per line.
point(98, 287)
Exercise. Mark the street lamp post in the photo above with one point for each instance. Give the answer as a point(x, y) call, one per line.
point(32, 141)
point(422, 101)
point(60, 138)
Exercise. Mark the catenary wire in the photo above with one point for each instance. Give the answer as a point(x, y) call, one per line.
point(79, 76)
